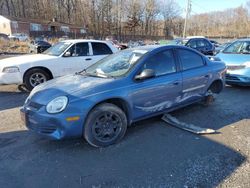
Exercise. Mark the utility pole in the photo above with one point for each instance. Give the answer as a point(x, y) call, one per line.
point(188, 10)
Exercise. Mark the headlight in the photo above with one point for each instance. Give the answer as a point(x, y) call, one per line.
point(57, 105)
point(10, 69)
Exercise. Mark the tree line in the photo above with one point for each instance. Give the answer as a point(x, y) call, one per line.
point(149, 18)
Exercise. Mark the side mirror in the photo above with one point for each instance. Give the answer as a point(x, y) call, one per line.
point(67, 54)
point(145, 74)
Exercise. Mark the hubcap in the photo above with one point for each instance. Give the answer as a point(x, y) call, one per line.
point(37, 78)
point(107, 127)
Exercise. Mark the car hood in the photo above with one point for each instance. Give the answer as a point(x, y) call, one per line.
point(23, 59)
point(234, 59)
point(74, 86)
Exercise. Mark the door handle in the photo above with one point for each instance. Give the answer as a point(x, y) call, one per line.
point(176, 83)
point(88, 59)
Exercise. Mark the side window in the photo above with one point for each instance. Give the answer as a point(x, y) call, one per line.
point(245, 48)
point(207, 44)
point(201, 43)
point(162, 63)
point(100, 48)
point(234, 47)
point(79, 49)
point(192, 44)
point(189, 59)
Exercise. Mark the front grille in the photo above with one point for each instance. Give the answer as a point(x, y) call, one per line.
point(235, 67)
point(35, 105)
point(234, 78)
point(45, 129)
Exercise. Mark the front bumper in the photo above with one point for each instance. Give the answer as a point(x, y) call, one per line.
point(238, 77)
point(237, 80)
point(54, 126)
point(10, 78)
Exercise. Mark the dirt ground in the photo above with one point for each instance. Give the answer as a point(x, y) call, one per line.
point(152, 154)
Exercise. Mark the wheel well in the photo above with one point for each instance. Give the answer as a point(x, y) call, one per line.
point(42, 68)
point(216, 86)
point(122, 104)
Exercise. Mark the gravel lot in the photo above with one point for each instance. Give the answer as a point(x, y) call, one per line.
point(152, 154)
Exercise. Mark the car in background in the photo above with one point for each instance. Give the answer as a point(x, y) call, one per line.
point(38, 46)
point(222, 47)
point(63, 58)
point(177, 41)
point(64, 37)
point(134, 84)
point(4, 37)
point(119, 45)
point(201, 44)
point(133, 44)
point(237, 59)
point(19, 37)
point(215, 43)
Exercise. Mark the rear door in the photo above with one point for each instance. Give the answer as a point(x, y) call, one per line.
point(195, 74)
point(99, 50)
point(159, 93)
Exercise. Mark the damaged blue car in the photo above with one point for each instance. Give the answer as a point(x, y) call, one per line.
point(99, 103)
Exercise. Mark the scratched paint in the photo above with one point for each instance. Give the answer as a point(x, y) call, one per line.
point(167, 104)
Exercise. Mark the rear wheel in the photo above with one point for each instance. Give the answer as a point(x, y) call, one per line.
point(214, 89)
point(106, 125)
point(35, 77)
point(39, 50)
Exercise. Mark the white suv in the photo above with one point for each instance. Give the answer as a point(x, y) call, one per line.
point(65, 57)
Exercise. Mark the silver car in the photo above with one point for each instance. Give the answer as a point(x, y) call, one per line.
point(237, 59)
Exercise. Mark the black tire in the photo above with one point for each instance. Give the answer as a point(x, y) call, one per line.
point(99, 126)
point(27, 78)
point(39, 50)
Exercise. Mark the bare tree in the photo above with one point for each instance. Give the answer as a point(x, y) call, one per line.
point(170, 10)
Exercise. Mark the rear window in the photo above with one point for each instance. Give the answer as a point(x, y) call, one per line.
point(100, 48)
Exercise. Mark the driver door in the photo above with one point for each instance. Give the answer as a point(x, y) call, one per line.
point(159, 93)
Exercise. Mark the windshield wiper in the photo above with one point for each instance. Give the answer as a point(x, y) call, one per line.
point(94, 74)
point(82, 72)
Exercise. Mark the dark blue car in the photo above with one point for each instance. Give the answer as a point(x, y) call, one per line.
point(100, 102)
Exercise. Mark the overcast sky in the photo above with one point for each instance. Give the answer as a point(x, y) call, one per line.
point(202, 6)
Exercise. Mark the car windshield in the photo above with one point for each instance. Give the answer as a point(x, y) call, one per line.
point(238, 47)
point(116, 65)
point(57, 49)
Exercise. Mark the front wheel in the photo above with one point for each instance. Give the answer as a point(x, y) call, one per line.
point(35, 77)
point(105, 125)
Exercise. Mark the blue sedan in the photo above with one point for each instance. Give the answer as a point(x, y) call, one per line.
point(237, 59)
point(100, 102)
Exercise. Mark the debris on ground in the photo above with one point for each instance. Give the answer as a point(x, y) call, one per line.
point(186, 126)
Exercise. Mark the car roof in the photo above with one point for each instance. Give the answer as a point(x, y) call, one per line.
point(192, 37)
point(244, 39)
point(154, 47)
point(83, 40)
